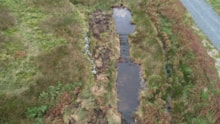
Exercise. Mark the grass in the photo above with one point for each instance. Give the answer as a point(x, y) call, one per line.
point(189, 78)
point(33, 56)
point(25, 41)
point(104, 91)
point(44, 44)
point(146, 50)
point(5, 15)
point(46, 77)
point(215, 4)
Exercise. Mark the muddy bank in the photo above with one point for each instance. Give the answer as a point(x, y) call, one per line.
point(105, 51)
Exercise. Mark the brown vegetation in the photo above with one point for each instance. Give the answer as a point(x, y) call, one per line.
point(104, 54)
point(204, 68)
point(191, 83)
point(95, 101)
point(65, 63)
point(6, 18)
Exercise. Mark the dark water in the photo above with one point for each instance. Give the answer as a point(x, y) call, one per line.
point(128, 80)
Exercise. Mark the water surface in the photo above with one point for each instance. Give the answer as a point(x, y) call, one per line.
point(128, 80)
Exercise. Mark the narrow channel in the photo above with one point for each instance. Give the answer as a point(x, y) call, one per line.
point(128, 80)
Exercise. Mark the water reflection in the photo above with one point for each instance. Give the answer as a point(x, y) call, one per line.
point(128, 80)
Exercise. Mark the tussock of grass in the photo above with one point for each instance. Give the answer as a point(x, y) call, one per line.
point(2, 39)
point(144, 45)
point(7, 19)
point(52, 6)
point(63, 59)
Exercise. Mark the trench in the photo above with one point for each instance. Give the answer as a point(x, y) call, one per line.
point(128, 78)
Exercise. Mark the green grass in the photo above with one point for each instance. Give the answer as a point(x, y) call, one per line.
point(216, 5)
point(35, 56)
point(42, 59)
point(43, 47)
point(25, 37)
point(186, 82)
point(146, 49)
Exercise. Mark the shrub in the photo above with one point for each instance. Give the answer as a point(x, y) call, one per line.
point(36, 112)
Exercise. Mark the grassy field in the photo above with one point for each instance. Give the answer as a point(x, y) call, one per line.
point(45, 75)
point(44, 69)
point(192, 83)
point(36, 48)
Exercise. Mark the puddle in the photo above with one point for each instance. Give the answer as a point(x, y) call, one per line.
point(128, 85)
point(128, 80)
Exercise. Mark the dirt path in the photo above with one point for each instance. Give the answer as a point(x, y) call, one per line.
point(205, 18)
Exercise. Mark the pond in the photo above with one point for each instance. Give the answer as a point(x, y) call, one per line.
point(128, 79)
